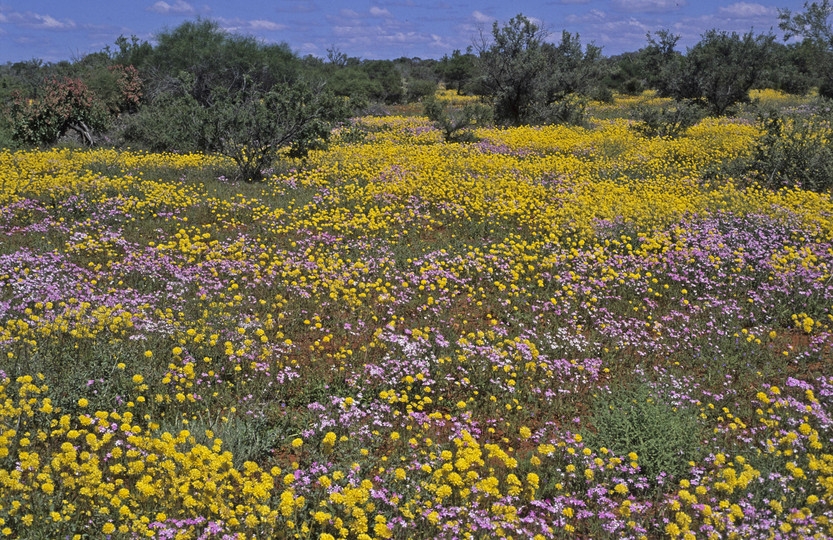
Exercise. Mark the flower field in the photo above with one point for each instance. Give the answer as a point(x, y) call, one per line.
point(554, 332)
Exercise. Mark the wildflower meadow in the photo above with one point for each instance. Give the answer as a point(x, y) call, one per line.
point(549, 332)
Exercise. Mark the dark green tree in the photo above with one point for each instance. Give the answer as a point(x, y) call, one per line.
point(255, 128)
point(252, 127)
point(721, 69)
point(571, 69)
point(351, 82)
point(814, 26)
point(791, 68)
point(216, 59)
point(459, 71)
point(387, 84)
point(514, 68)
point(131, 52)
point(624, 73)
point(661, 62)
point(174, 120)
point(531, 81)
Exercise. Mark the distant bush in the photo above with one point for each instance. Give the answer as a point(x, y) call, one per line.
point(570, 110)
point(255, 128)
point(603, 94)
point(456, 122)
point(419, 89)
point(667, 121)
point(174, 121)
point(720, 69)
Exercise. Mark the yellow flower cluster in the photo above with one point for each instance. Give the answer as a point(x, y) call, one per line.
point(110, 470)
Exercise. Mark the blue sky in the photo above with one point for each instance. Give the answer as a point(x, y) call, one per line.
point(60, 30)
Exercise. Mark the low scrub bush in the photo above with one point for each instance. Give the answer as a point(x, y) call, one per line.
point(667, 121)
point(455, 123)
point(570, 110)
point(793, 152)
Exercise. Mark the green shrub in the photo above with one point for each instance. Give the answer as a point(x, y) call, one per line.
point(456, 123)
point(172, 122)
point(251, 127)
point(570, 110)
point(667, 121)
point(639, 419)
point(254, 128)
point(793, 152)
point(603, 94)
point(419, 89)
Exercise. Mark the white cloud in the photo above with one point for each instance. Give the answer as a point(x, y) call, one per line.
point(252, 26)
point(439, 42)
point(262, 24)
point(179, 7)
point(51, 23)
point(592, 16)
point(348, 13)
point(380, 12)
point(652, 6)
point(38, 21)
point(747, 10)
point(481, 17)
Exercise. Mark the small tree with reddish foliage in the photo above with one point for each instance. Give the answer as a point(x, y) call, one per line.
point(119, 87)
point(130, 87)
point(67, 105)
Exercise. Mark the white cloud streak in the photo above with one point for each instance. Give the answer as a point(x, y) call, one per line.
point(180, 7)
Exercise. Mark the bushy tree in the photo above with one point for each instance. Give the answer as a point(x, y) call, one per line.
point(352, 82)
point(534, 82)
point(118, 87)
point(514, 68)
point(131, 51)
point(386, 81)
point(721, 69)
point(624, 73)
point(791, 68)
point(459, 71)
point(814, 26)
point(251, 126)
point(254, 128)
point(571, 68)
point(660, 62)
point(216, 59)
point(420, 89)
point(418, 76)
point(175, 120)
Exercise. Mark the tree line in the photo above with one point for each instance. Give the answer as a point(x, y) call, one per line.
point(200, 88)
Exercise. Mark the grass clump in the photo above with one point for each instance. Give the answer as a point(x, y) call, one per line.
point(636, 419)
